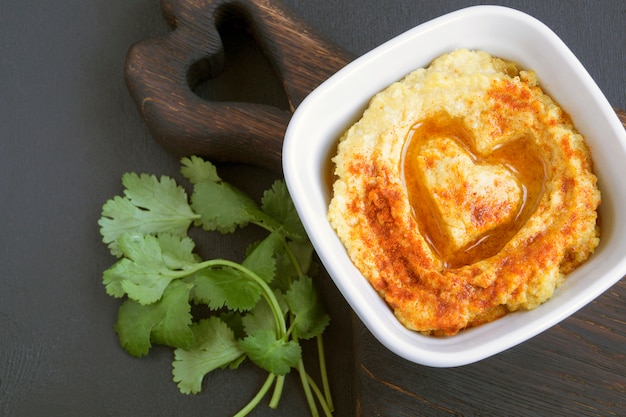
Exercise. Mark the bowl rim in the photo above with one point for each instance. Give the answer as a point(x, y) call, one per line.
point(301, 165)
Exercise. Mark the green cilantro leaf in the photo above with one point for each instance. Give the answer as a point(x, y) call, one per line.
point(215, 347)
point(165, 322)
point(261, 317)
point(305, 303)
point(196, 170)
point(273, 355)
point(221, 206)
point(234, 320)
point(286, 271)
point(219, 287)
point(150, 206)
point(277, 203)
point(303, 253)
point(149, 265)
point(260, 258)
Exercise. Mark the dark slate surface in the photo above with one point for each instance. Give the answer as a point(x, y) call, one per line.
point(70, 130)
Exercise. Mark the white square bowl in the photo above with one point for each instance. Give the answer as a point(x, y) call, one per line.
point(340, 101)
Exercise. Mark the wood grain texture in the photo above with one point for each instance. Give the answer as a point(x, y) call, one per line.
point(566, 371)
point(161, 72)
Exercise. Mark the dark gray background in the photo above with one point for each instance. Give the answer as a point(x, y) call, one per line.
point(69, 130)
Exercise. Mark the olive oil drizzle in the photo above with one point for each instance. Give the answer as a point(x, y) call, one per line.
point(521, 156)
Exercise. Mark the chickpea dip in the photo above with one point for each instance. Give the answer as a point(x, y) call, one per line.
point(463, 193)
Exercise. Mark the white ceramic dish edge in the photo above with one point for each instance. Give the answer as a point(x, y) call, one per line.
point(326, 113)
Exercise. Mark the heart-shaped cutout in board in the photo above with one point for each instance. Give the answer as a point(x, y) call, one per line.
point(468, 204)
point(242, 73)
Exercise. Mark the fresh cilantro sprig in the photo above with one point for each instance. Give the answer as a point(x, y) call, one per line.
point(260, 308)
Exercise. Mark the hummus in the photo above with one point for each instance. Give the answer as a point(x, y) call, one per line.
point(463, 193)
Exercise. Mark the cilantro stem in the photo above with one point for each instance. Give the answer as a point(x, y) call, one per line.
point(281, 331)
point(257, 398)
point(307, 389)
point(291, 328)
point(322, 361)
point(268, 294)
point(326, 400)
point(294, 260)
point(278, 390)
point(328, 411)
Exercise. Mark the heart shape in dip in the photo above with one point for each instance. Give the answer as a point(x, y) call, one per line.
point(468, 205)
point(470, 198)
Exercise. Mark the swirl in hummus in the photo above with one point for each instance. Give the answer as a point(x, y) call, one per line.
point(464, 192)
